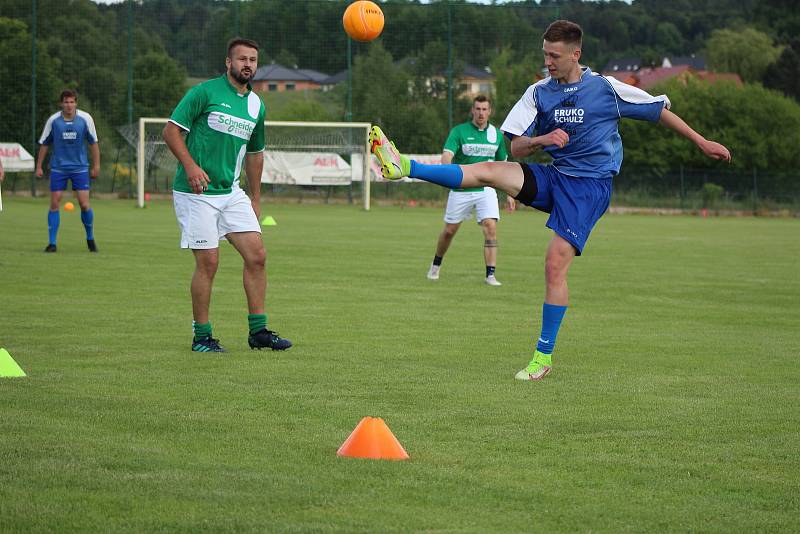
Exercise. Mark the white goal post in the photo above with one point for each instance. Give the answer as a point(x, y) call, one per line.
point(327, 143)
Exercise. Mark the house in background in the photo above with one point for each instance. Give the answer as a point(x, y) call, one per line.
point(630, 71)
point(470, 81)
point(474, 81)
point(276, 77)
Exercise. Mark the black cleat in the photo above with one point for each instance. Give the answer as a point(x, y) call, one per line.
point(267, 339)
point(91, 244)
point(207, 344)
point(50, 248)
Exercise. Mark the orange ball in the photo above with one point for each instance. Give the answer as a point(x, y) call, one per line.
point(363, 21)
point(69, 206)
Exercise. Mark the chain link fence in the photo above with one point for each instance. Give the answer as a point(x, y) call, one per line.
point(136, 58)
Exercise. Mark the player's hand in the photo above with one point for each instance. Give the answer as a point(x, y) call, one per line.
point(715, 150)
point(557, 137)
point(197, 178)
point(256, 208)
point(39, 172)
point(94, 173)
point(511, 204)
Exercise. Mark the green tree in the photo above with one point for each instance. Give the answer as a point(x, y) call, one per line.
point(761, 128)
point(158, 84)
point(747, 52)
point(784, 74)
point(383, 94)
point(15, 83)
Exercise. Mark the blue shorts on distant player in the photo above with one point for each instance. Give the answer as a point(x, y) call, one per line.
point(574, 204)
point(80, 180)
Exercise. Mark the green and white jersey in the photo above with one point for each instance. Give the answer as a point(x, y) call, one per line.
point(469, 144)
point(223, 126)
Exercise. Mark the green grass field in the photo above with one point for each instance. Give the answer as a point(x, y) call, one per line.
point(672, 406)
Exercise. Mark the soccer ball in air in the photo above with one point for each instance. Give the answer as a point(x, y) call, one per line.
point(363, 21)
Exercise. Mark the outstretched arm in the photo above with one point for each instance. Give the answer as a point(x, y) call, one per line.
point(711, 149)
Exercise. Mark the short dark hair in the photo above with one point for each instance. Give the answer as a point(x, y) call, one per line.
point(241, 41)
point(481, 98)
point(564, 31)
point(68, 93)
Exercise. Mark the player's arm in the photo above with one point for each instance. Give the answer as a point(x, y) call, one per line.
point(94, 150)
point(711, 149)
point(253, 167)
point(40, 159)
point(523, 146)
point(447, 157)
point(197, 177)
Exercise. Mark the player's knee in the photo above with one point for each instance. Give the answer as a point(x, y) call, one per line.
point(257, 259)
point(484, 172)
point(208, 264)
point(555, 269)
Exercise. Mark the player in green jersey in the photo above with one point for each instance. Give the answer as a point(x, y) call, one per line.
point(473, 142)
point(216, 129)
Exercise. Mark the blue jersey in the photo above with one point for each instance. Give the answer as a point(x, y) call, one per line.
point(589, 112)
point(68, 138)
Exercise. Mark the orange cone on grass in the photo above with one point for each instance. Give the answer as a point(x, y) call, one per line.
point(372, 439)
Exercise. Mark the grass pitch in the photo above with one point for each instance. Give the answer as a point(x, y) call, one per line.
point(672, 406)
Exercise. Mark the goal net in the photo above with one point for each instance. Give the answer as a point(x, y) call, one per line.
point(297, 154)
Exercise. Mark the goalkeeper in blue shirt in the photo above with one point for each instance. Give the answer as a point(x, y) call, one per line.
point(572, 115)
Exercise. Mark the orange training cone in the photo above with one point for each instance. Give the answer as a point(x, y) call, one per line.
point(372, 439)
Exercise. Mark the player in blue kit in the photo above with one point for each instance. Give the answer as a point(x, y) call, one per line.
point(68, 131)
point(573, 116)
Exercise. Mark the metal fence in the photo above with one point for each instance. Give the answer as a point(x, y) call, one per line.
point(136, 58)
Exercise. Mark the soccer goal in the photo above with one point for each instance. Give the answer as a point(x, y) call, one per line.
point(297, 153)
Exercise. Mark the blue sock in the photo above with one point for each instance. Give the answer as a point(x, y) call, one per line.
point(87, 218)
point(53, 220)
point(551, 322)
point(444, 175)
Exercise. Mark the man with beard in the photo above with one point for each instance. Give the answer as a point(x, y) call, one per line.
point(223, 123)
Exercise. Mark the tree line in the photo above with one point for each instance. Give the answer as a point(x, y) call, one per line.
point(397, 80)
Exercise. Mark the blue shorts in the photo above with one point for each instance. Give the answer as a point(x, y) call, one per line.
point(58, 180)
point(574, 204)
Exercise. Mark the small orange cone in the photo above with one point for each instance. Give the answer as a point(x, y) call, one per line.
point(372, 439)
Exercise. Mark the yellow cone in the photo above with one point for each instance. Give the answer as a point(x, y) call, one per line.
point(269, 220)
point(8, 367)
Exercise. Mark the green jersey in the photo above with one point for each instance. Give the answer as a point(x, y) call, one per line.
point(469, 144)
point(223, 125)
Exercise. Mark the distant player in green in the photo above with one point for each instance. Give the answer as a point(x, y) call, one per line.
point(223, 123)
point(473, 142)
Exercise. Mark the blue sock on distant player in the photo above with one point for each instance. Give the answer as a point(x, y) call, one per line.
point(53, 221)
point(444, 175)
point(551, 322)
point(87, 218)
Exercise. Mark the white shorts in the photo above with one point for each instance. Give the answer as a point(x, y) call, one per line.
point(205, 219)
point(461, 203)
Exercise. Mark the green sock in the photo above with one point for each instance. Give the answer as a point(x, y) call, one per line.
point(201, 330)
point(257, 322)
